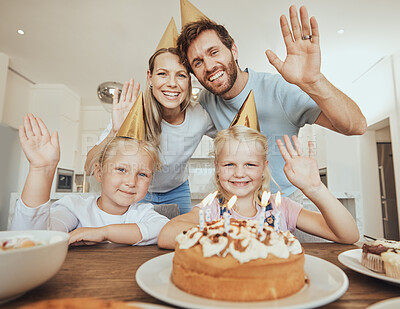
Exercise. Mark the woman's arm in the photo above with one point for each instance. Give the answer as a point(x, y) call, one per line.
point(334, 222)
point(166, 238)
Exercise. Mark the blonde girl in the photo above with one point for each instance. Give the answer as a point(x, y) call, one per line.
point(124, 168)
point(241, 169)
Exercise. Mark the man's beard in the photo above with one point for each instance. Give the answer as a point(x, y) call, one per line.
point(230, 71)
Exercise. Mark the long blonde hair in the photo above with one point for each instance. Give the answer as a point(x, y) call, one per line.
point(241, 134)
point(152, 108)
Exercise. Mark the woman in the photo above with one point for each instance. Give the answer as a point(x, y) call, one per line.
point(173, 124)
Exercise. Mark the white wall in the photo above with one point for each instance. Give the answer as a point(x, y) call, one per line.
point(370, 185)
point(395, 126)
point(9, 166)
point(375, 92)
point(17, 97)
point(3, 80)
point(342, 162)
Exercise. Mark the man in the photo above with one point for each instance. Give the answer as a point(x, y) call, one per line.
point(211, 54)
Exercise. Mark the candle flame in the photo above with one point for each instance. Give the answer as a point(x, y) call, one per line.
point(231, 202)
point(265, 198)
point(208, 199)
point(212, 197)
point(278, 199)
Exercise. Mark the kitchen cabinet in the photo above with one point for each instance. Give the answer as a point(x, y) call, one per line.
point(59, 108)
point(317, 135)
point(93, 121)
point(204, 149)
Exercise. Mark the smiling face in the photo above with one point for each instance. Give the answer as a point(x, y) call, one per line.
point(169, 80)
point(240, 167)
point(213, 63)
point(125, 178)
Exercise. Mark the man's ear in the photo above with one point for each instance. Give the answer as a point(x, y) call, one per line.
point(97, 172)
point(235, 52)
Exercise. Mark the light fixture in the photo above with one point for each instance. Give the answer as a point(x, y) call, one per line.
point(21, 32)
point(105, 92)
point(341, 31)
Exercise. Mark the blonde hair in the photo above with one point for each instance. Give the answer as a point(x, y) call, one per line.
point(241, 134)
point(152, 108)
point(128, 145)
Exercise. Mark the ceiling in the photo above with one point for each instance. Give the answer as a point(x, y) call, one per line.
point(82, 43)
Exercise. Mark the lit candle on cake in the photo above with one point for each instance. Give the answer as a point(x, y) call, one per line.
point(208, 215)
point(264, 202)
point(208, 199)
point(227, 217)
point(201, 219)
point(277, 212)
point(231, 202)
point(227, 214)
point(205, 202)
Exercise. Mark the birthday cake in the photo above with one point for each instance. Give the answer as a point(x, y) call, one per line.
point(247, 264)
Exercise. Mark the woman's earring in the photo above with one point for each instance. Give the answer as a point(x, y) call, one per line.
point(151, 86)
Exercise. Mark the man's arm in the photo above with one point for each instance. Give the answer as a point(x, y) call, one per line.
point(302, 68)
point(339, 112)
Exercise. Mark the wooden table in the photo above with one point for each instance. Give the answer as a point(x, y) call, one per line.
point(108, 271)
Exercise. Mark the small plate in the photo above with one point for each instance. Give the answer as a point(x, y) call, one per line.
point(391, 303)
point(327, 283)
point(352, 259)
point(146, 305)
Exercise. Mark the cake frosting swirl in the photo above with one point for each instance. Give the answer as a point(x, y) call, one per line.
point(243, 241)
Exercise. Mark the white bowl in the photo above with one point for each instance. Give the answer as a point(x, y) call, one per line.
point(23, 269)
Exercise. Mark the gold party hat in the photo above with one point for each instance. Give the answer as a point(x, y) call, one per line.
point(169, 37)
point(133, 125)
point(247, 115)
point(189, 13)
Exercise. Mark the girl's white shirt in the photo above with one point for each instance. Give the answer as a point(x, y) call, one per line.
point(74, 211)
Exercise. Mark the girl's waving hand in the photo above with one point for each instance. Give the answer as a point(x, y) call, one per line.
point(40, 148)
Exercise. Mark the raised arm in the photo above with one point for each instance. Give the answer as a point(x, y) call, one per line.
point(166, 238)
point(302, 68)
point(334, 222)
point(43, 153)
point(120, 110)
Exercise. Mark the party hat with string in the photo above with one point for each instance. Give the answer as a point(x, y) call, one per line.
point(169, 37)
point(247, 115)
point(189, 13)
point(133, 125)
